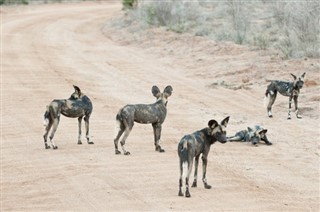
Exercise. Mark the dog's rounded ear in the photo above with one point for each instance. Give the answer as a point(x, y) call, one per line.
point(155, 91)
point(263, 132)
point(212, 123)
point(167, 91)
point(250, 129)
point(77, 89)
point(225, 121)
point(294, 76)
point(302, 76)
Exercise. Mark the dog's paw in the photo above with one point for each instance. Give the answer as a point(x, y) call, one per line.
point(206, 186)
point(180, 194)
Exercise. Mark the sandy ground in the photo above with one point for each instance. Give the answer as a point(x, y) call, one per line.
point(48, 48)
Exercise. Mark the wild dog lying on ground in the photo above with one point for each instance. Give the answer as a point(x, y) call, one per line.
point(193, 145)
point(253, 135)
point(290, 89)
point(77, 106)
point(154, 114)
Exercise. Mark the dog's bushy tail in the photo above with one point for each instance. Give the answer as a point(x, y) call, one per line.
point(46, 117)
point(119, 120)
point(266, 98)
point(183, 150)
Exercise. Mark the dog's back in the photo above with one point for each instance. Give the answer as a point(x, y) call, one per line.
point(191, 145)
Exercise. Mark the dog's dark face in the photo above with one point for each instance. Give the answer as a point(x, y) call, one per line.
point(256, 135)
point(219, 130)
point(298, 81)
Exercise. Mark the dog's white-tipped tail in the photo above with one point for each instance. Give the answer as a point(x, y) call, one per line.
point(185, 169)
point(117, 128)
point(266, 100)
point(45, 122)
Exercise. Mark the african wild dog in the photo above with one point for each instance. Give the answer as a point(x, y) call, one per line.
point(77, 106)
point(193, 145)
point(154, 114)
point(290, 89)
point(253, 135)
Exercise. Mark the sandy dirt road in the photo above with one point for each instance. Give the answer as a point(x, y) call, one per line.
point(48, 48)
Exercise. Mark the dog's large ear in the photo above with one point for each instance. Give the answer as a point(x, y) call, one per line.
point(156, 91)
point(302, 76)
point(167, 91)
point(77, 90)
point(294, 76)
point(263, 132)
point(212, 123)
point(225, 121)
point(250, 129)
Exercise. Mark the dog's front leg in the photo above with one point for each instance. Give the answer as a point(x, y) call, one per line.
point(295, 98)
point(54, 129)
point(290, 100)
point(194, 184)
point(86, 121)
point(204, 170)
point(157, 134)
point(79, 126)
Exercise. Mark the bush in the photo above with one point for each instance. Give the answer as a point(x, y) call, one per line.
point(290, 27)
point(14, 2)
point(129, 3)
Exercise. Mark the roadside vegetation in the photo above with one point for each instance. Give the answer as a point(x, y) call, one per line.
point(290, 27)
point(26, 2)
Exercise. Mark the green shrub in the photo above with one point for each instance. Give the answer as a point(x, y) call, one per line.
point(128, 3)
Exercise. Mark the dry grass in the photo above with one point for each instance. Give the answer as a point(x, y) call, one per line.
point(292, 28)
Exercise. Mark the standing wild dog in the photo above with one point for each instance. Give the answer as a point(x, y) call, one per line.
point(193, 145)
point(154, 114)
point(290, 89)
point(77, 106)
point(253, 135)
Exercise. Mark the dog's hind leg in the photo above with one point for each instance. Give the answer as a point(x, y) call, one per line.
point(55, 126)
point(234, 138)
point(128, 127)
point(194, 184)
point(204, 170)
point(180, 179)
point(45, 136)
point(272, 95)
point(86, 121)
point(190, 164)
point(119, 133)
point(79, 134)
point(119, 129)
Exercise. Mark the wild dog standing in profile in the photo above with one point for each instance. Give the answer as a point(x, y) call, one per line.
point(154, 114)
point(77, 106)
point(193, 145)
point(290, 89)
point(253, 135)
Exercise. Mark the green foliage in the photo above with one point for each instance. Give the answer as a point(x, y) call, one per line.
point(261, 41)
point(4, 2)
point(128, 4)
